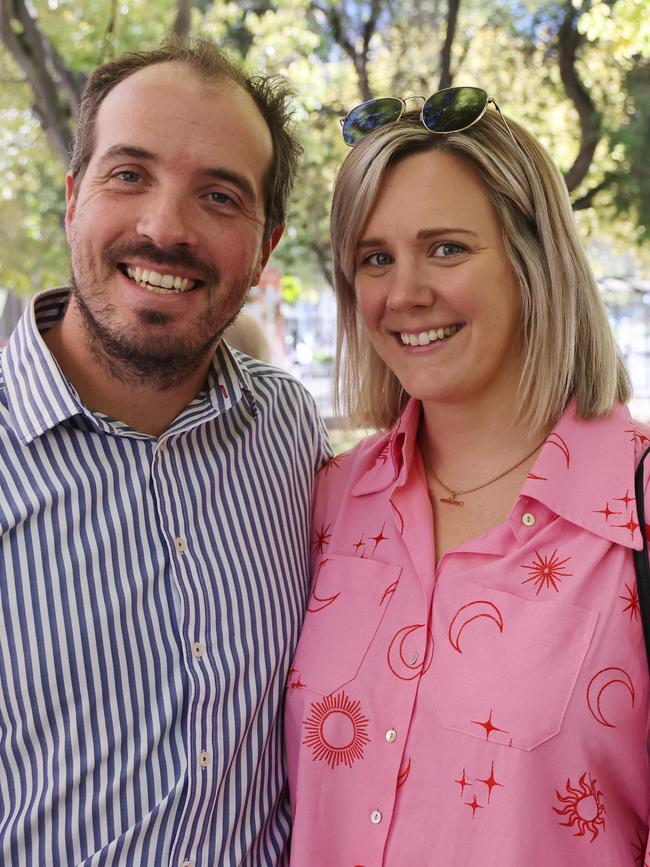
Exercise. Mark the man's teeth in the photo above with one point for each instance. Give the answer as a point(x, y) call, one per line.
point(424, 338)
point(161, 283)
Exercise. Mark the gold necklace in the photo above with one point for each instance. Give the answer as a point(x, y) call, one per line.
point(452, 499)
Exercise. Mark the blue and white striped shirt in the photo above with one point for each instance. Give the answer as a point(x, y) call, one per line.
point(151, 594)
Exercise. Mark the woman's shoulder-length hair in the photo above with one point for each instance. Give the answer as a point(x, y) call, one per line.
point(568, 350)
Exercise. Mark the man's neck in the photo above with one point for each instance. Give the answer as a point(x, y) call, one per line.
point(143, 408)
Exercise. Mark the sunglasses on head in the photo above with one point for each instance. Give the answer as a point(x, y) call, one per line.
point(450, 110)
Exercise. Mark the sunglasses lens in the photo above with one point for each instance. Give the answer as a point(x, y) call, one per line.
point(370, 116)
point(454, 109)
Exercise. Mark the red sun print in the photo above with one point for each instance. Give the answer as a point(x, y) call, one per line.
point(336, 731)
point(322, 539)
point(546, 571)
point(632, 600)
point(583, 807)
point(639, 846)
point(476, 610)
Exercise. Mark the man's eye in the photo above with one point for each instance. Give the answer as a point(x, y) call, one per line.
point(127, 176)
point(221, 198)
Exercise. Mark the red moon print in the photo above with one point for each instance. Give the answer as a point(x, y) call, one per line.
point(597, 686)
point(399, 662)
point(400, 519)
point(468, 613)
point(583, 808)
point(317, 603)
point(336, 730)
point(403, 775)
point(556, 440)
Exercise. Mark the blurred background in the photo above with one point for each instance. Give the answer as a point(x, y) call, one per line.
point(576, 73)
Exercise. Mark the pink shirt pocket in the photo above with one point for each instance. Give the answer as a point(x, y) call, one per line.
point(505, 667)
point(349, 599)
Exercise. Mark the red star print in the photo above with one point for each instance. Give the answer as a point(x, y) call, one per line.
point(490, 782)
point(606, 512)
point(489, 728)
point(333, 463)
point(378, 538)
point(546, 571)
point(358, 544)
point(631, 525)
point(627, 499)
point(297, 684)
point(642, 438)
point(639, 846)
point(474, 804)
point(632, 602)
point(463, 783)
point(322, 539)
point(291, 672)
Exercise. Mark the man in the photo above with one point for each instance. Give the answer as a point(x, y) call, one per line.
point(155, 490)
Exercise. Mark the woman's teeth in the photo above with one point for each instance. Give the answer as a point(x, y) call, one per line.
point(424, 338)
point(161, 283)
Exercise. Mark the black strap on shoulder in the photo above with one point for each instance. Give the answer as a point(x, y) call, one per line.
point(641, 562)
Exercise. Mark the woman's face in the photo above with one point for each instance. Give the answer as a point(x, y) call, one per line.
point(434, 286)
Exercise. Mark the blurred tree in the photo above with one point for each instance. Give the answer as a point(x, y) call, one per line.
point(575, 71)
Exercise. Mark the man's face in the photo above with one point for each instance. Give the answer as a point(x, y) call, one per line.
point(165, 227)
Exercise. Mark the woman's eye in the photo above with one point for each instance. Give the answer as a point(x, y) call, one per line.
point(378, 260)
point(448, 248)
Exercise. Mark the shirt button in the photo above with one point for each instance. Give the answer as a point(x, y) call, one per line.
point(162, 447)
point(197, 649)
point(181, 545)
point(414, 658)
point(391, 736)
point(187, 864)
point(375, 817)
point(204, 759)
point(528, 519)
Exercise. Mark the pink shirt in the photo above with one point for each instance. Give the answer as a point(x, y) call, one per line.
point(504, 725)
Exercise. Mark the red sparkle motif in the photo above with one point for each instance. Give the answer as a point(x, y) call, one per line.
point(642, 438)
point(606, 512)
point(490, 782)
point(632, 600)
point(379, 538)
point(537, 478)
point(333, 463)
point(389, 591)
point(317, 603)
point(546, 571)
point(463, 783)
point(336, 731)
point(603, 679)
point(583, 807)
point(322, 539)
point(639, 845)
point(474, 804)
point(405, 665)
point(297, 684)
point(403, 775)
point(489, 727)
point(359, 544)
point(400, 518)
point(627, 499)
point(468, 613)
point(556, 440)
point(631, 525)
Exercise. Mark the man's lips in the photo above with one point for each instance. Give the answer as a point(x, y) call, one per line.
point(163, 281)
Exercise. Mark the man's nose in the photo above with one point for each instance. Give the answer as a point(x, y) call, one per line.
point(166, 219)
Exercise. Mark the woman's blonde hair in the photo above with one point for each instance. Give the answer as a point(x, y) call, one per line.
point(568, 349)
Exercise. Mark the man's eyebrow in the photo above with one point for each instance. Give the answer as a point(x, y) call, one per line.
point(422, 235)
point(234, 178)
point(127, 151)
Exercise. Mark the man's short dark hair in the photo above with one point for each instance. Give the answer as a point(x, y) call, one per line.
point(270, 93)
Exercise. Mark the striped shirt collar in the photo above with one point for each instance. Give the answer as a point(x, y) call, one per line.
point(40, 397)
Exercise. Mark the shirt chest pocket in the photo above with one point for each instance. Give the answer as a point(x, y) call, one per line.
point(348, 601)
point(505, 667)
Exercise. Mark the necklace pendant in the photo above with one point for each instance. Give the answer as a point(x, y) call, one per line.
point(451, 500)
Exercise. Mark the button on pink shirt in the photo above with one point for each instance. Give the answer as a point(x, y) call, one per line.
point(492, 711)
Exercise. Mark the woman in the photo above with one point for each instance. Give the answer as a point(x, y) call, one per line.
point(470, 687)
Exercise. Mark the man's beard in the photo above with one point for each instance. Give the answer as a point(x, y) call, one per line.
point(162, 361)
